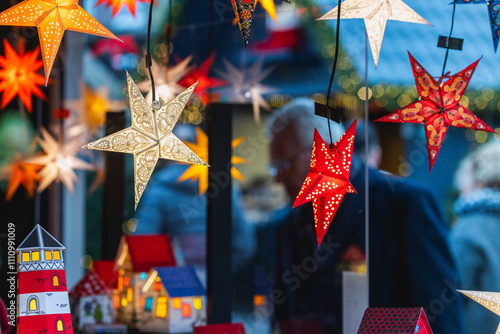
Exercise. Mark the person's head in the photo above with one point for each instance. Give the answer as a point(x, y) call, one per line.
point(291, 131)
point(374, 149)
point(479, 169)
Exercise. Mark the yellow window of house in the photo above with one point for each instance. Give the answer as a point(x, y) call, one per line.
point(60, 326)
point(130, 294)
point(35, 256)
point(26, 256)
point(197, 304)
point(33, 304)
point(124, 302)
point(161, 307)
point(55, 280)
point(57, 255)
point(48, 255)
point(176, 303)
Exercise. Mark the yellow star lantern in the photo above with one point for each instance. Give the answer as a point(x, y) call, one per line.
point(52, 18)
point(150, 137)
point(200, 173)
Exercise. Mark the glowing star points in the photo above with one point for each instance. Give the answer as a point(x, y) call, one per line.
point(200, 172)
point(117, 5)
point(375, 14)
point(20, 173)
point(438, 107)
point(490, 300)
point(328, 179)
point(52, 18)
point(18, 75)
point(150, 137)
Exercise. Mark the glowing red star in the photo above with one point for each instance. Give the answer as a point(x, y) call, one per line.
point(328, 179)
point(205, 82)
point(438, 107)
point(117, 5)
point(18, 75)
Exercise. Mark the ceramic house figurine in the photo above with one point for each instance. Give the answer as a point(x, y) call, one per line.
point(220, 328)
point(174, 301)
point(136, 255)
point(91, 301)
point(42, 295)
point(395, 320)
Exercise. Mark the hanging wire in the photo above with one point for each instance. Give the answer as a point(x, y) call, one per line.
point(149, 62)
point(168, 36)
point(449, 37)
point(337, 47)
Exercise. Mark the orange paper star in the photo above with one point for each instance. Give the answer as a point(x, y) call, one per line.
point(200, 172)
point(328, 179)
point(117, 5)
point(18, 75)
point(52, 18)
point(22, 173)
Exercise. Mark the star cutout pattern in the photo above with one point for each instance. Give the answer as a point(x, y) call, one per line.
point(438, 107)
point(490, 300)
point(150, 137)
point(59, 161)
point(18, 75)
point(52, 18)
point(493, 11)
point(117, 5)
point(328, 179)
point(166, 80)
point(243, 10)
point(200, 172)
point(375, 14)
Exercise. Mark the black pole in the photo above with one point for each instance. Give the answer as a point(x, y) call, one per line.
point(113, 192)
point(219, 227)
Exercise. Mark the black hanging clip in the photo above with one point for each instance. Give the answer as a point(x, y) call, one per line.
point(450, 43)
point(327, 112)
point(148, 60)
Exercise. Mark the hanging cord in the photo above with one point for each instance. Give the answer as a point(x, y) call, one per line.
point(337, 47)
point(148, 59)
point(449, 38)
point(168, 34)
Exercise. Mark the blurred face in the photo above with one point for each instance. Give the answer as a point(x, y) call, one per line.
point(290, 160)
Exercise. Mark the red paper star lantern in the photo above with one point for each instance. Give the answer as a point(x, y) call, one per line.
point(438, 107)
point(328, 179)
point(18, 75)
point(117, 5)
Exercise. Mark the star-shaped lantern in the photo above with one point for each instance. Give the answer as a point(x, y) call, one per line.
point(328, 179)
point(205, 83)
point(438, 107)
point(52, 18)
point(18, 74)
point(375, 14)
point(59, 161)
point(245, 85)
point(20, 173)
point(166, 80)
point(150, 137)
point(493, 10)
point(117, 5)
point(243, 10)
point(490, 300)
point(200, 172)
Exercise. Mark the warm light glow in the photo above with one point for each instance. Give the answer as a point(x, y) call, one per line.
point(55, 280)
point(116, 300)
point(35, 256)
point(258, 300)
point(161, 307)
point(48, 255)
point(33, 304)
point(22, 173)
point(157, 285)
point(176, 303)
point(124, 302)
point(142, 300)
point(18, 75)
point(120, 283)
point(60, 326)
point(26, 256)
point(197, 303)
point(57, 255)
point(130, 294)
point(186, 310)
point(126, 281)
point(117, 5)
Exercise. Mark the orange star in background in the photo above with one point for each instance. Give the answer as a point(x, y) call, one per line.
point(205, 82)
point(18, 75)
point(117, 5)
point(200, 172)
point(21, 173)
point(52, 18)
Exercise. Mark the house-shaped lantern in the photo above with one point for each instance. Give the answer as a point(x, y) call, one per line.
point(105, 269)
point(395, 320)
point(174, 301)
point(136, 255)
point(91, 301)
point(220, 328)
point(42, 295)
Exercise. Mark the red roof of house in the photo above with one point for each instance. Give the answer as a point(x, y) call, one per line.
point(90, 285)
point(148, 251)
point(395, 320)
point(105, 270)
point(220, 328)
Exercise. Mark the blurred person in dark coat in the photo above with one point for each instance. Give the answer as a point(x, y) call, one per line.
point(410, 262)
